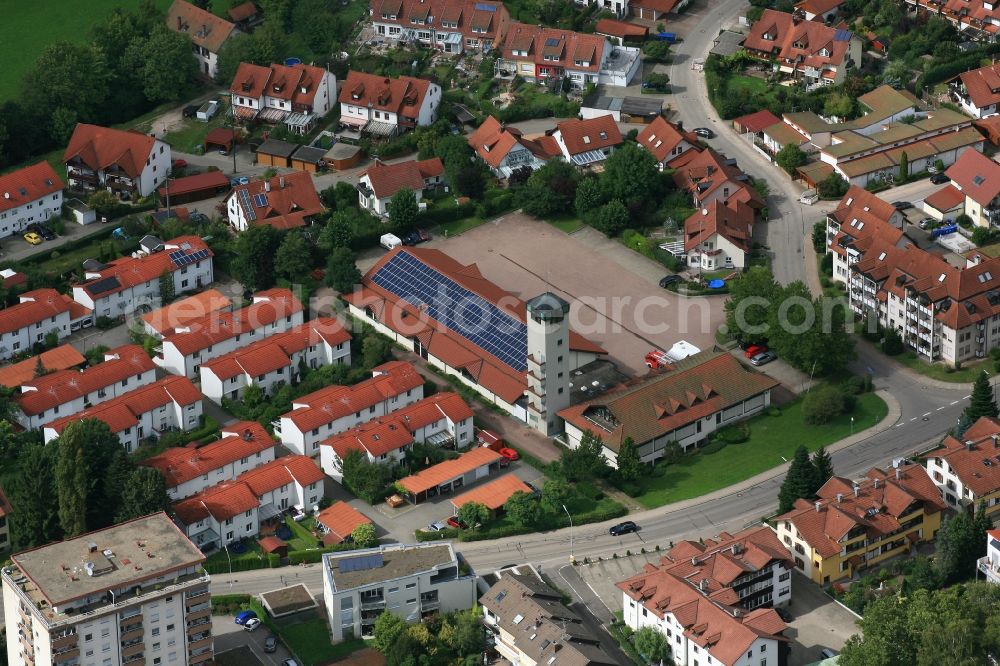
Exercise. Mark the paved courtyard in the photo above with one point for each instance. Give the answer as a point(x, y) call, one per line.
point(614, 293)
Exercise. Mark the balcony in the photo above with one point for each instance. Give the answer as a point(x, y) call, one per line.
point(62, 642)
point(991, 572)
point(82, 175)
point(138, 660)
point(133, 649)
point(194, 617)
point(199, 608)
point(132, 635)
point(373, 603)
point(200, 658)
point(65, 655)
point(205, 640)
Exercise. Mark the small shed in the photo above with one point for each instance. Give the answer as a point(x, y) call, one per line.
point(195, 188)
point(621, 30)
point(308, 158)
point(288, 600)
point(342, 156)
point(272, 544)
point(276, 153)
point(220, 138)
point(462, 114)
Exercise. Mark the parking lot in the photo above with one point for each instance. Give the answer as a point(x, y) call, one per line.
point(248, 646)
point(614, 293)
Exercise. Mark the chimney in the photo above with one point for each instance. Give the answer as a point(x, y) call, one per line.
point(281, 182)
point(818, 505)
point(709, 169)
point(840, 497)
point(680, 125)
point(267, 186)
point(875, 484)
point(897, 474)
point(857, 490)
point(247, 435)
point(996, 440)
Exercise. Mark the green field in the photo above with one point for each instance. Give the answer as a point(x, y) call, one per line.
point(740, 84)
point(773, 440)
point(29, 27)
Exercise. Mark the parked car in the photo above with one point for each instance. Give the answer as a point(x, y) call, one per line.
point(45, 232)
point(32, 238)
point(827, 653)
point(509, 454)
point(271, 644)
point(252, 624)
point(903, 205)
point(437, 527)
point(179, 164)
point(939, 179)
point(424, 235)
point(753, 350)
point(190, 110)
point(927, 223)
point(207, 111)
point(668, 280)
point(623, 528)
point(289, 662)
point(764, 358)
point(784, 614)
point(244, 616)
point(456, 523)
point(703, 132)
point(411, 238)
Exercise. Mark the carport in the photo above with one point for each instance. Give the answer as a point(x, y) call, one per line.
point(220, 138)
point(494, 494)
point(446, 477)
point(194, 188)
point(276, 153)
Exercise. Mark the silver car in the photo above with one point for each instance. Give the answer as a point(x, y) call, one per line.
point(763, 358)
point(437, 527)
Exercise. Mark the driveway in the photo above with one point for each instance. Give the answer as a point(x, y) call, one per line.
point(817, 621)
point(230, 636)
point(613, 291)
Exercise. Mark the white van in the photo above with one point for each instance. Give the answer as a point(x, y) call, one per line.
point(389, 241)
point(809, 197)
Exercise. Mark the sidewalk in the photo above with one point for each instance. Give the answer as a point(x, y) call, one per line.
point(909, 374)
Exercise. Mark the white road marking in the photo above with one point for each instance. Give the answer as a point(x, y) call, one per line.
point(939, 408)
point(927, 414)
point(954, 402)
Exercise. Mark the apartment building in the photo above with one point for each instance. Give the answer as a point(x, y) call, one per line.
point(941, 310)
point(711, 601)
point(234, 510)
point(808, 50)
point(378, 183)
point(186, 471)
point(530, 624)
point(122, 286)
point(967, 471)
point(334, 409)
point(443, 419)
point(977, 179)
point(131, 594)
point(285, 201)
point(276, 360)
point(685, 403)
point(127, 163)
point(504, 149)
point(37, 314)
point(173, 403)
point(452, 27)
point(207, 31)
point(30, 195)
point(589, 142)
point(413, 582)
point(538, 54)
point(384, 107)
point(45, 398)
point(666, 141)
point(183, 351)
point(989, 565)
point(854, 525)
point(296, 95)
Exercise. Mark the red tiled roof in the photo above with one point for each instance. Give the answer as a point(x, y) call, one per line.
point(271, 544)
point(733, 222)
point(268, 307)
point(492, 141)
point(445, 471)
point(132, 271)
point(122, 412)
point(196, 183)
point(403, 96)
point(977, 176)
point(661, 6)
point(661, 137)
point(882, 498)
point(203, 27)
point(101, 147)
point(471, 18)
point(597, 133)
point(800, 41)
point(294, 83)
point(493, 494)
point(33, 307)
point(57, 388)
point(947, 198)
point(242, 12)
point(818, 7)
point(621, 29)
point(341, 519)
point(966, 458)
point(333, 402)
point(287, 200)
point(182, 464)
point(62, 357)
point(983, 85)
point(387, 179)
point(661, 403)
point(706, 171)
point(186, 310)
point(280, 472)
point(31, 183)
point(564, 48)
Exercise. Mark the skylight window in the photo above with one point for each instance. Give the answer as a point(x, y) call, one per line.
point(518, 618)
point(586, 139)
point(881, 256)
point(941, 279)
point(978, 180)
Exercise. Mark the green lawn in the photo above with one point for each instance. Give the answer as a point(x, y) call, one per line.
point(29, 27)
point(253, 552)
point(190, 137)
point(302, 538)
point(942, 372)
point(740, 84)
point(567, 224)
point(310, 642)
point(459, 226)
point(771, 438)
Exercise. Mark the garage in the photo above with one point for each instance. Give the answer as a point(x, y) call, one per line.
point(220, 138)
point(307, 158)
point(444, 478)
point(342, 156)
point(194, 188)
point(276, 153)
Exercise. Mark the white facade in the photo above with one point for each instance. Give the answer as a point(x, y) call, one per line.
point(438, 589)
point(227, 472)
point(380, 205)
point(548, 361)
point(717, 252)
point(361, 115)
point(16, 220)
point(322, 101)
point(989, 566)
point(21, 340)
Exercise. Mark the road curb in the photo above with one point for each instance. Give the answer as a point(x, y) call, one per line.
point(914, 376)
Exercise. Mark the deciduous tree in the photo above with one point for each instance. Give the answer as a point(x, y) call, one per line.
point(143, 493)
point(294, 257)
point(255, 249)
point(629, 462)
point(555, 492)
point(364, 536)
point(523, 508)
point(342, 273)
point(403, 210)
point(748, 309)
point(612, 218)
point(631, 175)
point(652, 645)
point(389, 627)
point(790, 157)
point(473, 514)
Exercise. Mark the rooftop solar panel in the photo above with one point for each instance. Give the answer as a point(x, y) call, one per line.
point(102, 286)
point(260, 200)
point(474, 318)
point(362, 563)
point(842, 35)
point(485, 8)
point(245, 204)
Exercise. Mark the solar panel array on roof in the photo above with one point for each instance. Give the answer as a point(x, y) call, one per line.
point(260, 200)
point(182, 259)
point(106, 284)
point(473, 317)
point(842, 35)
point(363, 563)
point(245, 204)
point(485, 8)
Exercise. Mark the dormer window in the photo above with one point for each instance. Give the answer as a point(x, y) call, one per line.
point(824, 52)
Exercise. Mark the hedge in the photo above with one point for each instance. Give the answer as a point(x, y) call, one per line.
point(556, 522)
point(449, 533)
point(269, 561)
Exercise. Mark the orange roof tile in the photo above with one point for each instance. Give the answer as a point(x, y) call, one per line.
point(33, 307)
point(403, 96)
point(622, 29)
point(493, 494)
point(733, 222)
point(983, 85)
point(102, 147)
point(182, 464)
point(284, 201)
point(977, 176)
point(31, 183)
point(802, 41)
point(387, 179)
point(341, 519)
point(757, 121)
point(492, 141)
point(277, 473)
point(62, 357)
point(554, 47)
point(597, 133)
point(203, 27)
point(186, 310)
point(127, 272)
point(445, 471)
point(661, 137)
point(947, 198)
point(967, 458)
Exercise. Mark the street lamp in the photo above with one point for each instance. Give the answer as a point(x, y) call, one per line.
point(852, 425)
point(572, 559)
point(230, 560)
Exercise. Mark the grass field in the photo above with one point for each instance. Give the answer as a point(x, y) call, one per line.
point(310, 642)
point(942, 372)
point(746, 84)
point(772, 438)
point(30, 27)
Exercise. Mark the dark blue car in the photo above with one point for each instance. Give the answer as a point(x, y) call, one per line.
point(244, 616)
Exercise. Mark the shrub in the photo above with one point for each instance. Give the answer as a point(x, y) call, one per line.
point(823, 403)
point(855, 384)
point(734, 434)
